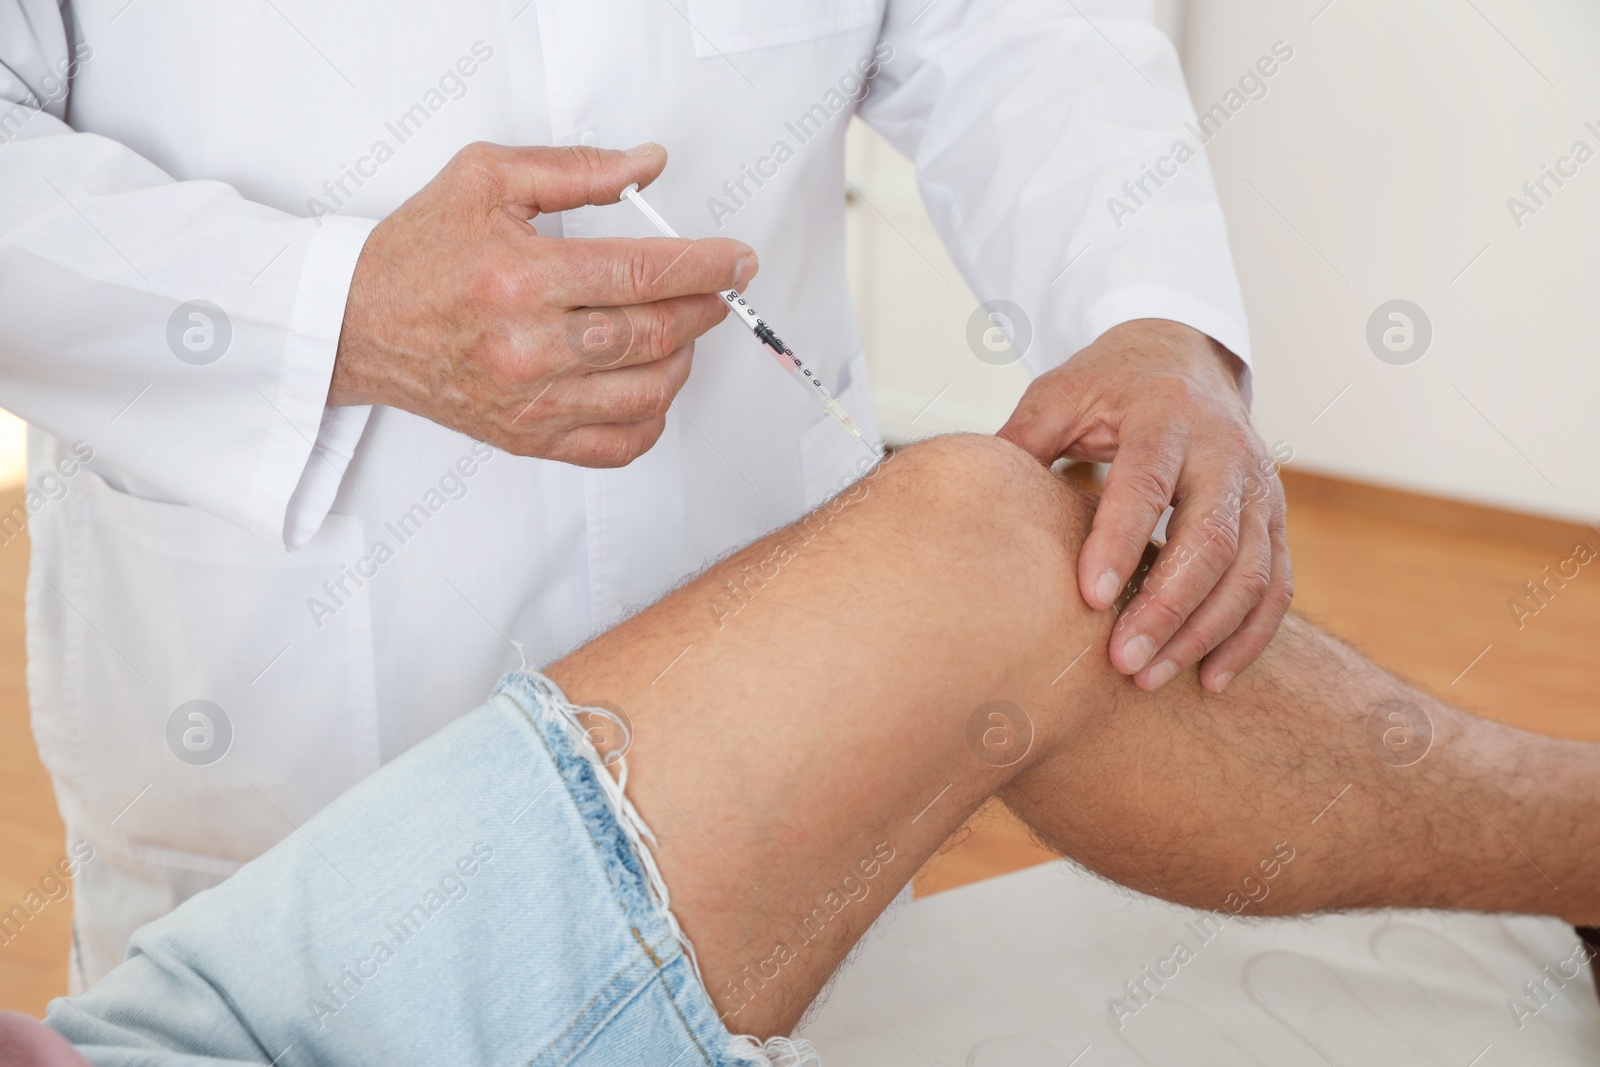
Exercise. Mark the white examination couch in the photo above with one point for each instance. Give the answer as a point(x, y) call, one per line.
point(1021, 971)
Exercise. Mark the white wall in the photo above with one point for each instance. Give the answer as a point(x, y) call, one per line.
point(1377, 167)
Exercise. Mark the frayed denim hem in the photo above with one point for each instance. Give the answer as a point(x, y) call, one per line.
point(624, 843)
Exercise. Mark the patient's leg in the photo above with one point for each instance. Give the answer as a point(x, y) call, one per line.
point(813, 718)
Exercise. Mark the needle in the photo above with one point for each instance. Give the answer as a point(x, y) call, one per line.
point(758, 326)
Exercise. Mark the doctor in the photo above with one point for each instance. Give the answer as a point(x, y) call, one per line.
point(336, 437)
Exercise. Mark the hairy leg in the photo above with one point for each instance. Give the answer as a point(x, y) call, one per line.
point(1385, 796)
point(813, 717)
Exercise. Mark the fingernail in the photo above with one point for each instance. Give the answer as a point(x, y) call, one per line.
point(646, 149)
point(745, 270)
point(1137, 652)
point(1107, 588)
point(1221, 681)
point(1161, 674)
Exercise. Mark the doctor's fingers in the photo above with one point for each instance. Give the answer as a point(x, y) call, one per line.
point(1254, 579)
point(625, 395)
point(1143, 477)
point(1252, 636)
point(538, 180)
point(605, 419)
point(617, 271)
point(599, 338)
point(609, 445)
point(1203, 542)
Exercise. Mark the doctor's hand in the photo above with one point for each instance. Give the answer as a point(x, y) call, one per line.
point(567, 348)
point(1161, 402)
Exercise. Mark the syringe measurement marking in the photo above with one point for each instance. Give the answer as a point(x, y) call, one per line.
point(769, 338)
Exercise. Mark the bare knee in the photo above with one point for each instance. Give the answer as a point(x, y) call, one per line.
point(998, 491)
point(990, 473)
point(997, 510)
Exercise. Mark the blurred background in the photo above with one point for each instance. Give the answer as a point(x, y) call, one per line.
point(1428, 485)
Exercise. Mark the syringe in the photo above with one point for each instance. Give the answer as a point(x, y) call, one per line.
point(746, 314)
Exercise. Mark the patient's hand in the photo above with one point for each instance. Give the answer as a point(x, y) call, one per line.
point(1162, 403)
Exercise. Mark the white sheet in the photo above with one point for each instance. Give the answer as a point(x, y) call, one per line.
point(1020, 971)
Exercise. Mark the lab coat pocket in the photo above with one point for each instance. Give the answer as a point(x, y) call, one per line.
point(830, 456)
point(215, 712)
point(726, 26)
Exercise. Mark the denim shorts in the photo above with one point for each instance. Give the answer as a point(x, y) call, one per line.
point(488, 898)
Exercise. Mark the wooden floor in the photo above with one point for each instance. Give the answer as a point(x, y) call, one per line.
point(33, 964)
point(1422, 585)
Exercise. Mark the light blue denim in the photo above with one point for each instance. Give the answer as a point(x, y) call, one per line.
point(485, 899)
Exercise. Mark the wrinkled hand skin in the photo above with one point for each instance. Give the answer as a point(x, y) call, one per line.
point(571, 349)
point(1162, 404)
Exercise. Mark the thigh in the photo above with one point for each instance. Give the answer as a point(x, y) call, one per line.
point(803, 713)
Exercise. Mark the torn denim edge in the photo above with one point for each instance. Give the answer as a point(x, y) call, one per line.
point(589, 773)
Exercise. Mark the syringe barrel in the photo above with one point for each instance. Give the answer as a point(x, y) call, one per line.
point(741, 309)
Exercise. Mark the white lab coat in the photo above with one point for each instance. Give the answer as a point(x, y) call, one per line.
point(341, 583)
